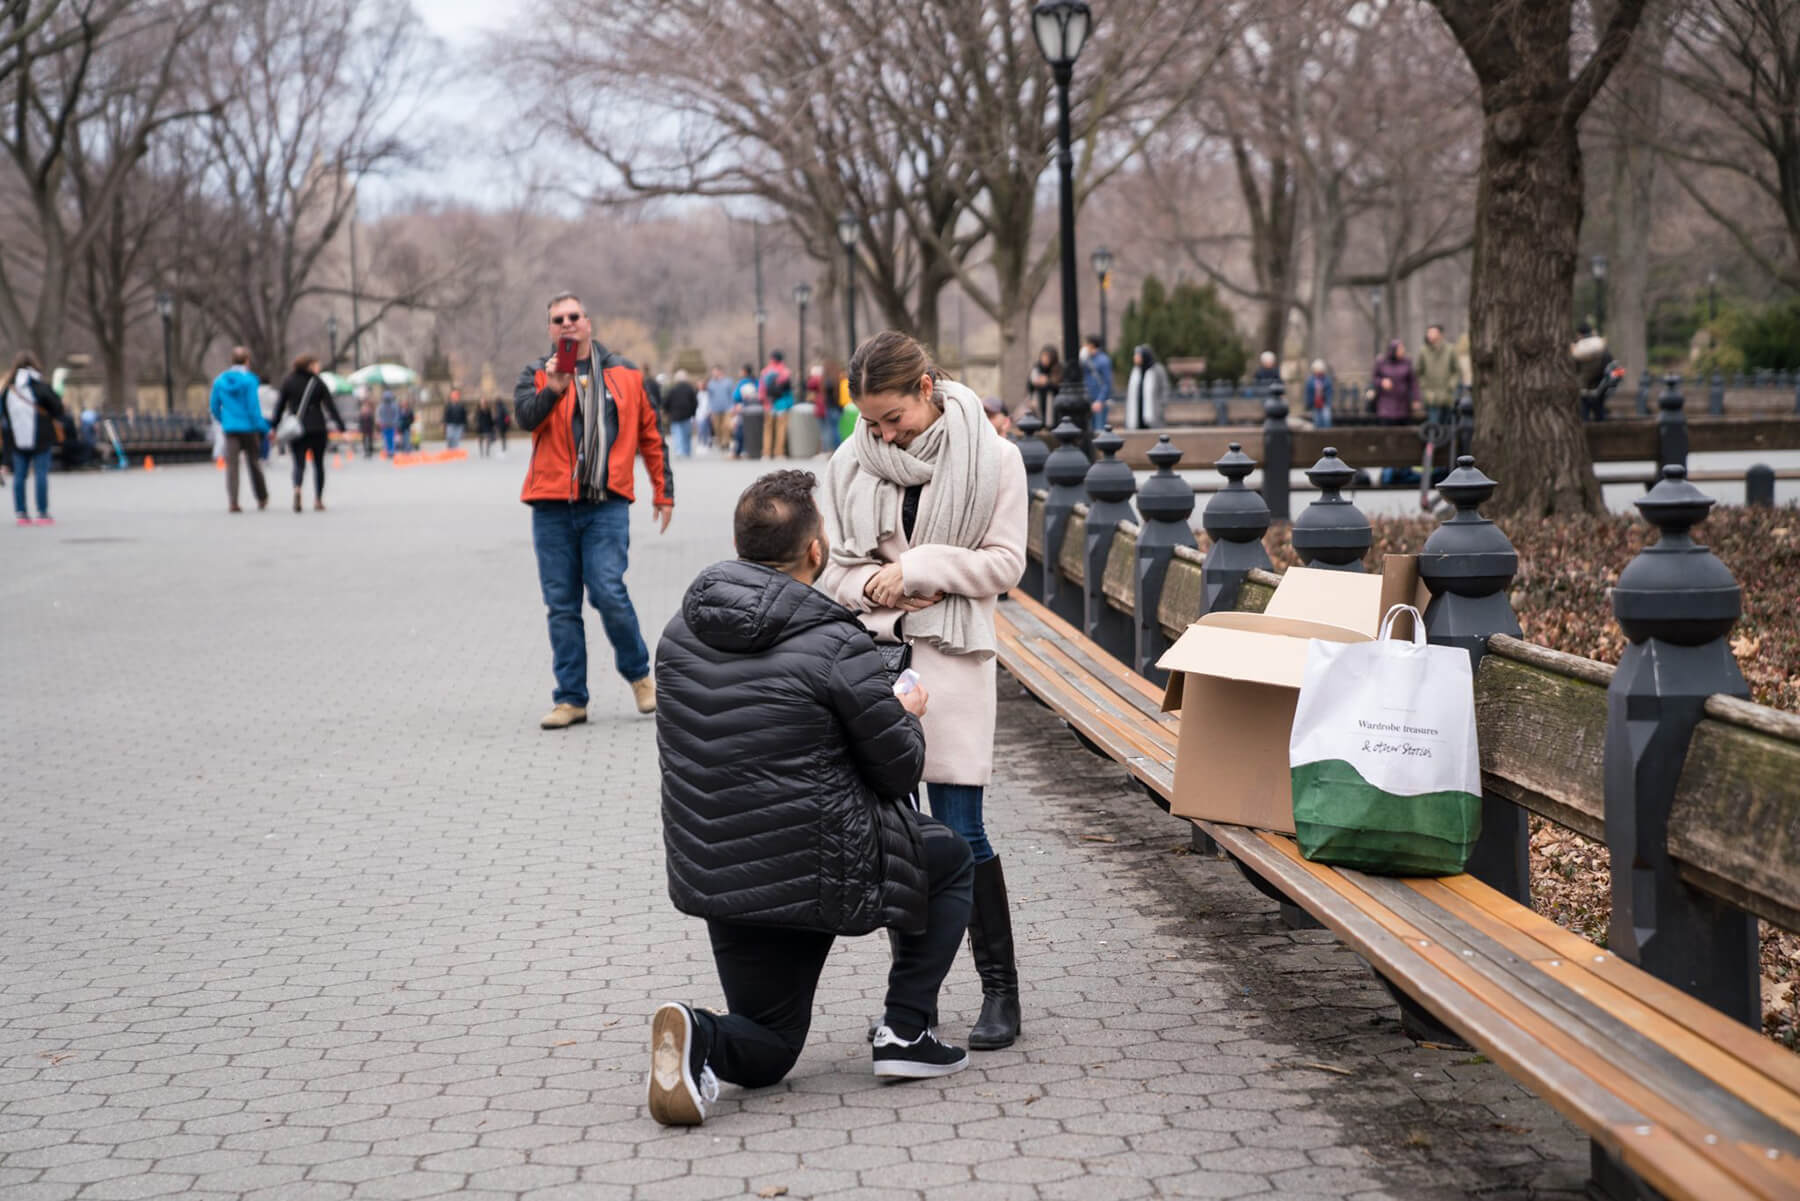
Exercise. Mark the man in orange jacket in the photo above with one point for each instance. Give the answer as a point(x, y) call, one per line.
point(587, 429)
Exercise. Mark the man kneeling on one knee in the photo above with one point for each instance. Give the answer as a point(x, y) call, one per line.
point(786, 758)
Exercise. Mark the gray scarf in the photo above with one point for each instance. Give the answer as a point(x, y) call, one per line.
point(590, 397)
point(867, 480)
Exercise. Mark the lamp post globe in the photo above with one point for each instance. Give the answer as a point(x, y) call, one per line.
point(1061, 28)
point(849, 229)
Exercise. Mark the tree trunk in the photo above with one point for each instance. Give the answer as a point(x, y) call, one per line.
point(1636, 109)
point(1527, 219)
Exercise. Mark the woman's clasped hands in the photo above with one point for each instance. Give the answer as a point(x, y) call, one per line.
point(886, 589)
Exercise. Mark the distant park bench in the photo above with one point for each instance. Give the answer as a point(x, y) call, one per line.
point(168, 438)
point(1652, 1048)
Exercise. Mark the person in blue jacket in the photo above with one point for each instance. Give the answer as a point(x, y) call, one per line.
point(238, 410)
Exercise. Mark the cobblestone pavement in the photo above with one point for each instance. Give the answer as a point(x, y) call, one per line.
point(296, 902)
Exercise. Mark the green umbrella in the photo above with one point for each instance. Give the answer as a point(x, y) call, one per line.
point(340, 385)
point(386, 375)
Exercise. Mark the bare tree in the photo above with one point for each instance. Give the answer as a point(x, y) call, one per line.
point(92, 84)
point(1740, 59)
point(319, 96)
point(1527, 221)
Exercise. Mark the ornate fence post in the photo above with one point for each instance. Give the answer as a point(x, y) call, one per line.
point(1065, 471)
point(1797, 393)
point(1759, 486)
point(1236, 520)
point(1033, 451)
point(1643, 393)
point(1676, 603)
point(1467, 564)
point(1715, 396)
point(1671, 425)
point(1332, 532)
point(1165, 503)
point(1278, 454)
point(1110, 487)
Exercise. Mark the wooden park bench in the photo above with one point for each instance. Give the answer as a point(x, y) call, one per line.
point(1651, 1048)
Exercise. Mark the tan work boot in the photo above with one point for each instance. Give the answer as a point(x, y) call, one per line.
point(563, 716)
point(644, 692)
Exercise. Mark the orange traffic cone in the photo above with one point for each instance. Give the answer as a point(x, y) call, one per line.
point(149, 462)
point(219, 463)
point(337, 462)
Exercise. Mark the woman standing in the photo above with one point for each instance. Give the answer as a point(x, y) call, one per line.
point(1046, 378)
point(309, 398)
point(927, 528)
point(1146, 391)
point(1396, 386)
point(32, 415)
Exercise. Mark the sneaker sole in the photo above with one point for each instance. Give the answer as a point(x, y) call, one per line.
point(674, 1097)
point(562, 725)
point(893, 1069)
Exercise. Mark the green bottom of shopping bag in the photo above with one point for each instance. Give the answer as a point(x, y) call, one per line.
point(1342, 819)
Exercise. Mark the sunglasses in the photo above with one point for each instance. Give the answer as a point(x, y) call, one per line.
point(565, 319)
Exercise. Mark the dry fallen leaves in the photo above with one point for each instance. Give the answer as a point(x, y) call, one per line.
point(773, 1190)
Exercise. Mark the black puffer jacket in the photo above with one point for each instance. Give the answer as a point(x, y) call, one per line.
point(783, 752)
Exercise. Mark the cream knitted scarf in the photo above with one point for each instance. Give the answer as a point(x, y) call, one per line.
point(959, 455)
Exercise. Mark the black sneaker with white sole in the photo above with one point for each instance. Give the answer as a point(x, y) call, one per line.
point(681, 1085)
point(922, 1058)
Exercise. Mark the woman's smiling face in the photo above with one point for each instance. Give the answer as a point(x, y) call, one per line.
point(899, 417)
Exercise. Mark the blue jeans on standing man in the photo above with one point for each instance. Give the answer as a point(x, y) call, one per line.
point(683, 433)
point(583, 547)
point(24, 462)
point(959, 807)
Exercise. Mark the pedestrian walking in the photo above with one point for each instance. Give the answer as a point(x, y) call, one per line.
point(1438, 374)
point(681, 404)
point(1268, 370)
point(587, 428)
point(1097, 372)
point(749, 393)
point(237, 408)
point(1046, 378)
point(1396, 386)
point(779, 734)
point(404, 427)
point(1146, 390)
point(503, 420)
point(388, 417)
point(719, 388)
point(309, 398)
point(776, 390)
point(32, 416)
point(484, 425)
point(365, 425)
point(926, 521)
point(1318, 395)
point(456, 420)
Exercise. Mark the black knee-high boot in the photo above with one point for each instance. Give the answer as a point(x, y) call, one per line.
point(991, 939)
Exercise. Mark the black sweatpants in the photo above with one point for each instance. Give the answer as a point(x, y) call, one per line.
point(769, 973)
point(310, 444)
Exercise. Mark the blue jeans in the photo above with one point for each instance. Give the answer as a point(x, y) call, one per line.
point(1322, 417)
point(579, 545)
point(959, 807)
point(683, 433)
point(452, 436)
point(387, 440)
point(24, 462)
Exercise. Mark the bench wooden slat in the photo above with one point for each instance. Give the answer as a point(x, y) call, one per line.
point(1753, 1173)
point(1027, 613)
point(1708, 1053)
point(1528, 988)
point(1073, 707)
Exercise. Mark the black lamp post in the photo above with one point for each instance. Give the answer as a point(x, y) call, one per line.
point(762, 319)
point(802, 298)
point(1712, 294)
point(1102, 261)
point(1375, 304)
point(848, 230)
point(331, 338)
point(1061, 27)
point(1598, 266)
point(165, 309)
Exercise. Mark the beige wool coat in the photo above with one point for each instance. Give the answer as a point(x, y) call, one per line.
point(959, 715)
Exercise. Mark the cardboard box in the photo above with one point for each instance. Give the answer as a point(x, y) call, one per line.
point(1235, 678)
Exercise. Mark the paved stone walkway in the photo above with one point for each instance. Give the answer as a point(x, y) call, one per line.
point(296, 902)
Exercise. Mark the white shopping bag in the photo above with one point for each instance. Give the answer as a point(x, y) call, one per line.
point(1385, 768)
